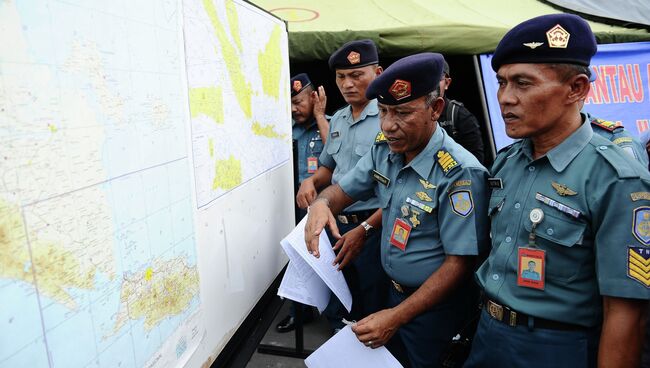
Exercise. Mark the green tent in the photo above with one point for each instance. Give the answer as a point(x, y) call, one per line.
point(401, 27)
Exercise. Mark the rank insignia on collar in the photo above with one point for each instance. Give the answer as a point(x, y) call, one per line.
point(446, 161)
point(297, 85)
point(563, 190)
point(426, 184)
point(354, 57)
point(533, 45)
point(558, 37)
point(380, 138)
point(641, 224)
point(423, 196)
point(461, 202)
point(638, 265)
point(400, 89)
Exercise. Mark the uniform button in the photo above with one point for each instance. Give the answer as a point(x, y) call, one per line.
point(495, 277)
point(508, 239)
point(531, 168)
point(602, 148)
point(549, 231)
point(400, 181)
point(517, 205)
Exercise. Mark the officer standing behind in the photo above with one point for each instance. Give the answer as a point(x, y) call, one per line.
point(569, 200)
point(352, 132)
point(434, 199)
point(617, 134)
point(458, 122)
point(310, 127)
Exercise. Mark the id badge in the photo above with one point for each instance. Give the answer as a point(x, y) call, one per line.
point(531, 270)
point(400, 235)
point(312, 164)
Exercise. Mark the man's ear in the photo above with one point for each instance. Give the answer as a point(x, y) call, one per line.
point(579, 88)
point(436, 108)
point(379, 70)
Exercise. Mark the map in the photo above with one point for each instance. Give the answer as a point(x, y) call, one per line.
point(97, 244)
point(237, 67)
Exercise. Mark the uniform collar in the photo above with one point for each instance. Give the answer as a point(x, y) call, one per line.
point(561, 155)
point(371, 109)
point(423, 163)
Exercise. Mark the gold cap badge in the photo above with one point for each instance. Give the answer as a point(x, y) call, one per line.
point(558, 37)
point(400, 89)
point(354, 57)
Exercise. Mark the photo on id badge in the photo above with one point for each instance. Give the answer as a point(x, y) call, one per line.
point(400, 234)
point(531, 268)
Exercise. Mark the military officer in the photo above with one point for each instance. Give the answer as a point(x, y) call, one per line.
point(433, 195)
point(309, 130)
point(352, 132)
point(569, 200)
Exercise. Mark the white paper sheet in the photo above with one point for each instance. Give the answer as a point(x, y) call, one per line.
point(345, 350)
point(322, 266)
point(301, 284)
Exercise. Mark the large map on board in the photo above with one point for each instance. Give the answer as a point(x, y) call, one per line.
point(98, 263)
point(238, 77)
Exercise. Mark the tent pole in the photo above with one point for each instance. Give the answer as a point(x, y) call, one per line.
point(486, 115)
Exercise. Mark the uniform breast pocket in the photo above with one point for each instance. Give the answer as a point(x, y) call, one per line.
point(333, 146)
point(562, 238)
point(361, 149)
point(496, 203)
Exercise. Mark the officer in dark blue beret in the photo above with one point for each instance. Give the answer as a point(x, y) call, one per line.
point(310, 126)
point(433, 195)
point(568, 200)
point(352, 133)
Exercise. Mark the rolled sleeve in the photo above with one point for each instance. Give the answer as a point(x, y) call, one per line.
point(358, 182)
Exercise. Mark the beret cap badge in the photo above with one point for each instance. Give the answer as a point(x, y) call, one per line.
point(354, 57)
point(558, 37)
point(400, 89)
point(297, 85)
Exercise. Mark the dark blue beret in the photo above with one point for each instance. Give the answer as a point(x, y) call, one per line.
point(553, 38)
point(354, 54)
point(407, 79)
point(299, 82)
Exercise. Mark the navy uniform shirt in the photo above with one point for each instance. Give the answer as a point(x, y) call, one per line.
point(441, 193)
point(348, 141)
point(620, 137)
point(310, 144)
point(595, 230)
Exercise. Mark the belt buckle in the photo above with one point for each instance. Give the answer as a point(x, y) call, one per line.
point(397, 286)
point(513, 319)
point(355, 219)
point(342, 219)
point(495, 310)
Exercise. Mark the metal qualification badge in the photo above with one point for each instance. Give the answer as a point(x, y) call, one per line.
point(531, 260)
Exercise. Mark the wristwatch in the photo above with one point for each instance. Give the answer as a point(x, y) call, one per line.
point(367, 227)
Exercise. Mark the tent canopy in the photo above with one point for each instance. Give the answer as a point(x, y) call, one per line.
point(317, 27)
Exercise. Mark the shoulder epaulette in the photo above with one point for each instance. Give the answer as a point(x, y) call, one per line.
point(446, 161)
point(618, 162)
point(380, 138)
point(503, 149)
point(605, 124)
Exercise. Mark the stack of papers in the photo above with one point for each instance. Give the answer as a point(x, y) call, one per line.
point(308, 279)
point(345, 350)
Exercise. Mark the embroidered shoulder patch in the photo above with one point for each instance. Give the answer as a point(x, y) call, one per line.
point(641, 224)
point(461, 202)
point(638, 264)
point(380, 138)
point(446, 161)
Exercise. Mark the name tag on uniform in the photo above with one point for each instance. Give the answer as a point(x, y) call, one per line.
point(335, 134)
point(531, 269)
point(380, 178)
point(312, 164)
point(495, 183)
point(400, 235)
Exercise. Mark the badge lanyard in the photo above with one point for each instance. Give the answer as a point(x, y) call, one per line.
point(531, 260)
